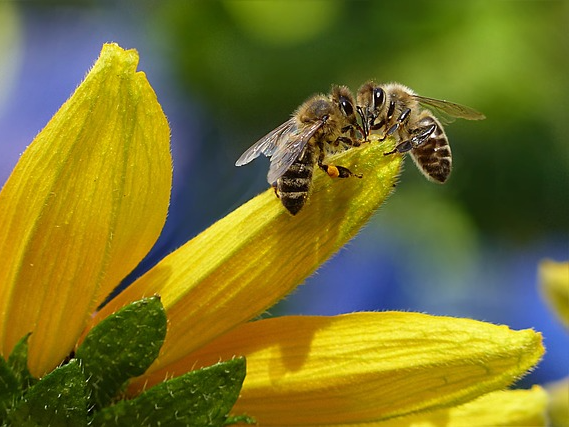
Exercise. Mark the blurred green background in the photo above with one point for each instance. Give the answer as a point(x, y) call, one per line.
point(228, 72)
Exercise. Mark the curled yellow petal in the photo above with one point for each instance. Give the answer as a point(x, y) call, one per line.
point(554, 282)
point(363, 367)
point(257, 254)
point(84, 204)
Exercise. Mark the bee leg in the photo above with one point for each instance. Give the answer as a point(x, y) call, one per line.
point(348, 141)
point(422, 134)
point(276, 191)
point(390, 131)
point(403, 117)
point(338, 171)
point(402, 147)
point(352, 129)
point(376, 126)
point(335, 171)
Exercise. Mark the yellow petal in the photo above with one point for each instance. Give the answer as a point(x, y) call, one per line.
point(257, 254)
point(554, 282)
point(513, 408)
point(363, 367)
point(84, 204)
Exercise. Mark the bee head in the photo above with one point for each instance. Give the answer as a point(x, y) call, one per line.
point(343, 99)
point(371, 97)
point(371, 100)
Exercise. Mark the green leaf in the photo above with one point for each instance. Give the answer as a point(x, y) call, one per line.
point(18, 362)
point(9, 388)
point(57, 400)
point(240, 419)
point(198, 398)
point(15, 377)
point(121, 347)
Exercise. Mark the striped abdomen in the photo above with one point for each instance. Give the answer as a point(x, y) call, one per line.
point(294, 185)
point(433, 157)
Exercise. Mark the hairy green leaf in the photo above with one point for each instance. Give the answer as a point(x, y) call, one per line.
point(18, 362)
point(8, 388)
point(122, 347)
point(198, 398)
point(57, 400)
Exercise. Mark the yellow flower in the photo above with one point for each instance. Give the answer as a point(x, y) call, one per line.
point(87, 201)
point(558, 405)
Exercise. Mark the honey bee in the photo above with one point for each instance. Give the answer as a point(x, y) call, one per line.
point(320, 125)
point(394, 109)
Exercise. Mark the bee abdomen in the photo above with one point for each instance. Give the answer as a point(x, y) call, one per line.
point(294, 201)
point(294, 185)
point(435, 158)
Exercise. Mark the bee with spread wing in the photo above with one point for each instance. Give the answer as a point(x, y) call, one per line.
point(295, 147)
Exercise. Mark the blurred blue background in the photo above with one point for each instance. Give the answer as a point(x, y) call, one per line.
point(228, 72)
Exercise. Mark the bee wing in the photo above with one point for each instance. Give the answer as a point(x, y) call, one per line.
point(267, 144)
point(451, 109)
point(290, 149)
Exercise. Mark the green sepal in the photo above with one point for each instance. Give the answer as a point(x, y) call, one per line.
point(18, 362)
point(15, 377)
point(57, 400)
point(240, 419)
point(121, 347)
point(9, 388)
point(199, 398)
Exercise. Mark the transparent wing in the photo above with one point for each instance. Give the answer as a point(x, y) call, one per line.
point(450, 108)
point(268, 143)
point(290, 148)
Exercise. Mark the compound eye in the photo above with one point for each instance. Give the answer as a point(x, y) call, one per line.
point(346, 106)
point(378, 97)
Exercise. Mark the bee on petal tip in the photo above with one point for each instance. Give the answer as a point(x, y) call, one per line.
point(394, 109)
point(321, 123)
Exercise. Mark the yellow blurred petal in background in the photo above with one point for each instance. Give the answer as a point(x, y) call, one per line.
point(559, 403)
point(85, 203)
point(11, 46)
point(554, 285)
